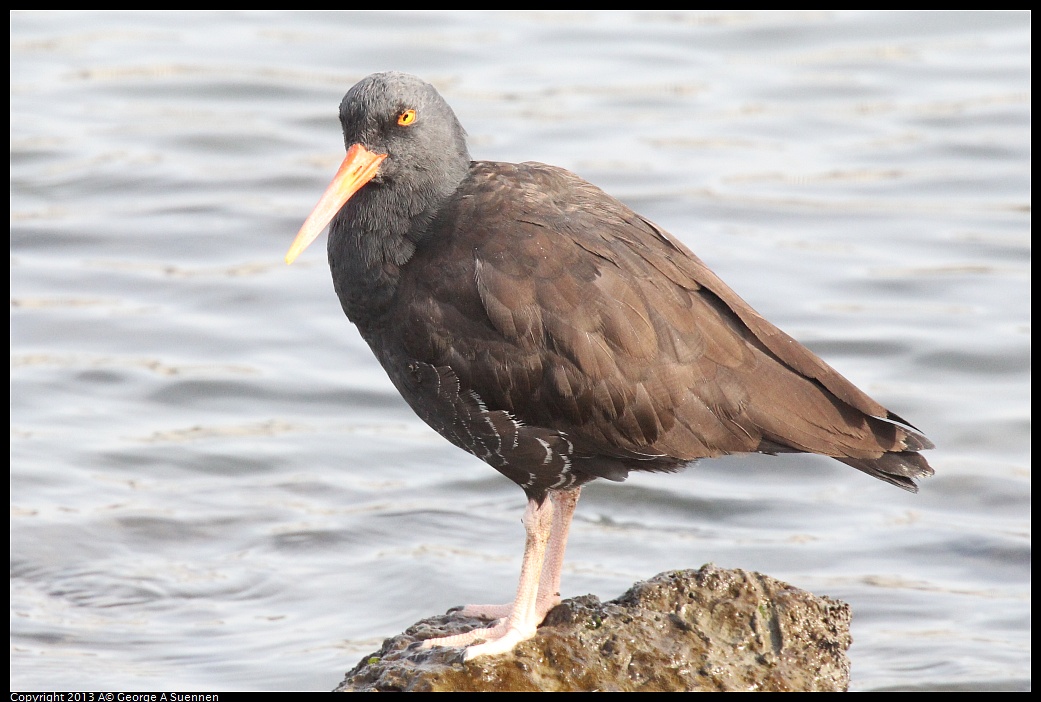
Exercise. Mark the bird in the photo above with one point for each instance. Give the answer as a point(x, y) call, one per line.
point(541, 325)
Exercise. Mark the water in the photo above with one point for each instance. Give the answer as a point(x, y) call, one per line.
point(213, 485)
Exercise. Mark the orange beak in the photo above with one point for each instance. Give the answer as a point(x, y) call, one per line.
point(358, 168)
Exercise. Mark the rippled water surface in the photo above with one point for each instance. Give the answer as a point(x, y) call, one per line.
point(214, 486)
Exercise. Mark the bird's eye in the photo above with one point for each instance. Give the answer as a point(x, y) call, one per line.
point(407, 117)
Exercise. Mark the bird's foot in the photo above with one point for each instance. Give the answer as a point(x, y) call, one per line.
point(502, 635)
point(543, 604)
point(500, 638)
point(485, 611)
point(504, 643)
point(483, 633)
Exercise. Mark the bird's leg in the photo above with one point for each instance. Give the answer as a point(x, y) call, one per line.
point(564, 503)
point(522, 620)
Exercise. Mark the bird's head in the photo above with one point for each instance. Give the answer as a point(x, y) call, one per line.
point(402, 137)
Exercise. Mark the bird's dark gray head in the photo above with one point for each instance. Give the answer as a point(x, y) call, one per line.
point(406, 157)
point(406, 118)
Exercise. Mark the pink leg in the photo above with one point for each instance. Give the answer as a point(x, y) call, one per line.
point(564, 504)
point(546, 529)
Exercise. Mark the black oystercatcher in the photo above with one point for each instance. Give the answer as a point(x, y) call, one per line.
point(543, 326)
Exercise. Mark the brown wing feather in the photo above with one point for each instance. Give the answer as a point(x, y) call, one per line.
point(585, 318)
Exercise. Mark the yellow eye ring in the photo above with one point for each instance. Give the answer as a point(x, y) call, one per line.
point(407, 117)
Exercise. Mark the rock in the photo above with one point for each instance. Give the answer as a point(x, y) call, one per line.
point(696, 630)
